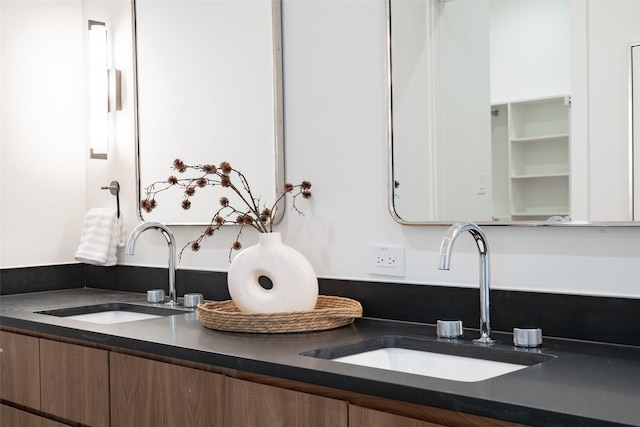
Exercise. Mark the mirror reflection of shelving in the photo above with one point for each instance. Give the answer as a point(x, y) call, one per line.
point(537, 150)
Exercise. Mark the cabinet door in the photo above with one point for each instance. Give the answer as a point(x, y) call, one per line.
point(12, 417)
point(20, 369)
point(150, 393)
point(363, 417)
point(75, 382)
point(251, 404)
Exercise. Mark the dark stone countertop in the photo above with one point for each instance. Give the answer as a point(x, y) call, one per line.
point(583, 384)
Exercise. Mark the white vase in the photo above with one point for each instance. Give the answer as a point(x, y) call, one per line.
point(295, 285)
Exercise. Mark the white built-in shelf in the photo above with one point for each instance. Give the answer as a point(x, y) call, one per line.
point(538, 157)
point(540, 175)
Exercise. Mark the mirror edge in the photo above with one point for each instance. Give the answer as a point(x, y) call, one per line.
point(136, 139)
point(634, 198)
point(276, 25)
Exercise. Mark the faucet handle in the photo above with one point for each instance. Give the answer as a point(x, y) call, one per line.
point(192, 300)
point(527, 337)
point(155, 296)
point(449, 328)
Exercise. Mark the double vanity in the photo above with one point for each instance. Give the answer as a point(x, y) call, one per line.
point(167, 366)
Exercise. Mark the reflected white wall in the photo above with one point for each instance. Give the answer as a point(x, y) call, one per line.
point(530, 50)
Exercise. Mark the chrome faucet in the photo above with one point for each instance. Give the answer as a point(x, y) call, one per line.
point(483, 248)
point(131, 244)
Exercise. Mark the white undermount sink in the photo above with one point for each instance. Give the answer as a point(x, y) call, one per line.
point(114, 316)
point(110, 313)
point(436, 365)
point(455, 361)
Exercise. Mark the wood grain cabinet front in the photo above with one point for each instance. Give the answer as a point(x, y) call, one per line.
point(56, 382)
point(260, 405)
point(20, 369)
point(150, 393)
point(363, 417)
point(75, 382)
point(13, 417)
point(398, 414)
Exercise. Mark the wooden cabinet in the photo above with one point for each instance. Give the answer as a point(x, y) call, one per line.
point(12, 417)
point(150, 393)
point(252, 404)
point(75, 382)
point(363, 417)
point(417, 416)
point(16, 418)
point(61, 379)
point(46, 383)
point(537, 150)
point(20, 369)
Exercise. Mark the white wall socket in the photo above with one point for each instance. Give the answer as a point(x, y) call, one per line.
point(386, 260)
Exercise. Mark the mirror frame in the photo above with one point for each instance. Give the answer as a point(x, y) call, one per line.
point(278, 114)
point(634, 190)
point(634, 127)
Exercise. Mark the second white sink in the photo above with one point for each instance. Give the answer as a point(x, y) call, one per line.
point(455, 361)
point(445, 366)
point(109, 313)
point(114, 316)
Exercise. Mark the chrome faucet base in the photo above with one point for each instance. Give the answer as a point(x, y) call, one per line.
point(484, 340)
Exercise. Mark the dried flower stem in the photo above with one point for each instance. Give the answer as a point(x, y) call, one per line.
point(224, 175)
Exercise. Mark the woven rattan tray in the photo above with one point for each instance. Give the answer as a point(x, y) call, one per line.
point(330, 312)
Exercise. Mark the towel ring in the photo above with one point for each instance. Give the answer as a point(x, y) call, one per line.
point(114, 188)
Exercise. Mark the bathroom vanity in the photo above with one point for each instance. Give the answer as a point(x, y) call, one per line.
point(57, 370)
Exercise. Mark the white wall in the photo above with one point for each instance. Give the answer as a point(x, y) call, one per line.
point(414, 107)
point(440, 72)
point(608, 85)
point(530, 50)
point(335, 137)
point(42, 175)
point(463, 138)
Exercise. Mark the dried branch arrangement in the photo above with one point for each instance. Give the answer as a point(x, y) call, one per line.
point(252, 212)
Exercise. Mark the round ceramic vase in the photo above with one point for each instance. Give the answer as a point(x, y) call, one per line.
point(294, 282)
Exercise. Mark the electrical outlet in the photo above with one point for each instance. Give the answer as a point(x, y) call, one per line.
point(386, 260)
point(482, 183)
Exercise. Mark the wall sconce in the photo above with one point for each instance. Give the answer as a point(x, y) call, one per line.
point(104, 90)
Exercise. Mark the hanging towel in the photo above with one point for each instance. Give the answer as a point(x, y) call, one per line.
point(102, 232)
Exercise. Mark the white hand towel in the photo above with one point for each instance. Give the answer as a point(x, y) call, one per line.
point(102, 232)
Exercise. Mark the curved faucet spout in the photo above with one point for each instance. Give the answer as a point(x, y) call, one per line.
point(483, 249)
point(168, 235)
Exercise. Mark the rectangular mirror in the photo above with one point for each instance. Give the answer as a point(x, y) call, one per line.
point(209, 89)
point(509, 112)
